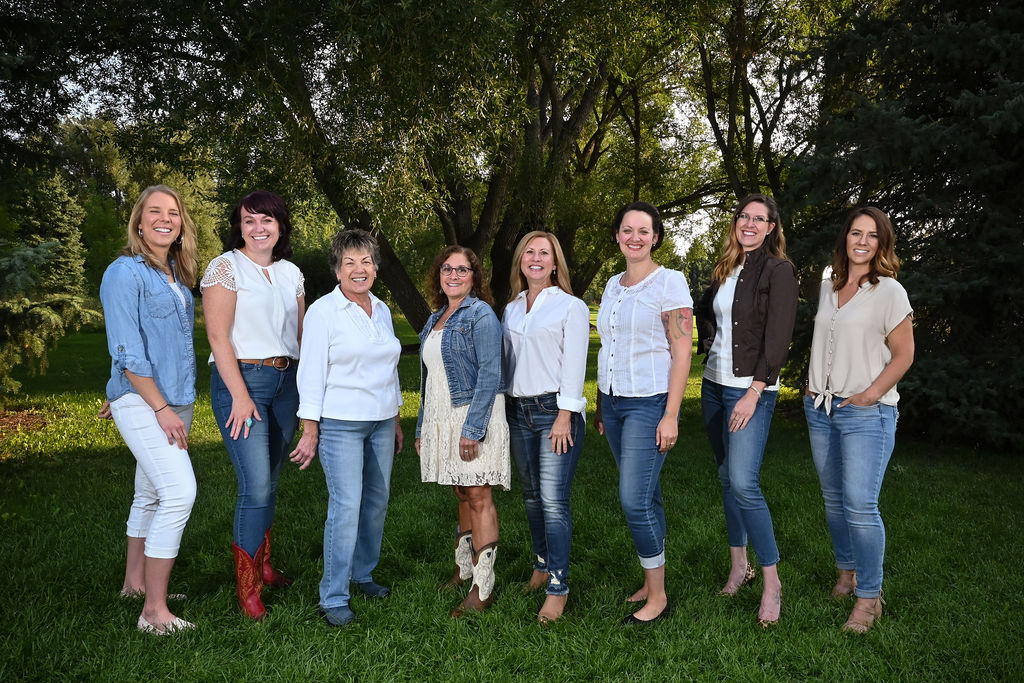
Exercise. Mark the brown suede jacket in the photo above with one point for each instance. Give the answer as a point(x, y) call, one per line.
point(763, 314)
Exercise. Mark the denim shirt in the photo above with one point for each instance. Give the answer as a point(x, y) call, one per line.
point(149, 331)
point(471, 351)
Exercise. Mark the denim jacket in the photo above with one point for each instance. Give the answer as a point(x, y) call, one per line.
point(149, 331)
point(471, 351)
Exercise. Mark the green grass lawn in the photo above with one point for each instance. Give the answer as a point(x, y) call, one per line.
point(953, 576)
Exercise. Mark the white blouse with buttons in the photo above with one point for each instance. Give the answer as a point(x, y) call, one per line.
point(635, 358)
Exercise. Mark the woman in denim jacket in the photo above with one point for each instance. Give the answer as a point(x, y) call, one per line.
point(745, 323)
point(149, 315)
point(461, 433)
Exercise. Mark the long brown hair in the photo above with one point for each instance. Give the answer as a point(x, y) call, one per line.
point(480, 289)
point(559, 278)
point(184, 250)
point(732, 250)
point(885, 262)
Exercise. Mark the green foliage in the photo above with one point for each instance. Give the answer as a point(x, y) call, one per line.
point(924, 115)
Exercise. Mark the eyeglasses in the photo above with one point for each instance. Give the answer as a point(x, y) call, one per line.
point(461, 271)
point(759, 220)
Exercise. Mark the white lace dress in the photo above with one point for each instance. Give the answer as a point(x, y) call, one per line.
point(442, 428)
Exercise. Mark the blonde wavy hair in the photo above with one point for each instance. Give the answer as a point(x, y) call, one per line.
point(560, 276)
point(184, 251)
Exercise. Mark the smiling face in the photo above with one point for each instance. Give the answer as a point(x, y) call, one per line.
point(260, 232)
point(752, 226)
point(538, 262)
point(160, 222)
point(636, 235)
point(356, 273)
point(455, 286)
point(862, 241)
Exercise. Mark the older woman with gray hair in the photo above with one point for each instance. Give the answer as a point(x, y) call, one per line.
point(349, 397)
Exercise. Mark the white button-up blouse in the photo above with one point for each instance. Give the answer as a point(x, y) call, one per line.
point(546, 349)
point(635, 359)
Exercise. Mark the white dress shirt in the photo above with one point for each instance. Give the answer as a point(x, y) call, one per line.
point(635, 359)
point(266, 311)
point(349, 364)
point(546, 348)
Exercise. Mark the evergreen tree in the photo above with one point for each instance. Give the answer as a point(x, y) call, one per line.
point(923, 117)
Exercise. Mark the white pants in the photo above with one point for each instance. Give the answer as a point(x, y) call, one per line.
point(165, 486)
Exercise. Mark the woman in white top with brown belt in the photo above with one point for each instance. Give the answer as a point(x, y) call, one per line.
point(254, 300)
point(863, 344)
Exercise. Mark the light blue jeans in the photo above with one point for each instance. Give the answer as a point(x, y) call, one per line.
point(851, 449)
point(258, 458)
point(546, 479)
point(739, 456)
point(356, 456)
point(631, 425)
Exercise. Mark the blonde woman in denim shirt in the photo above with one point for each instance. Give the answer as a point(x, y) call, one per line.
point(149, 315)
point(461, 433)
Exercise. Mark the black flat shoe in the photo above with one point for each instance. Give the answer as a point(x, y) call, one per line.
point(631, 619)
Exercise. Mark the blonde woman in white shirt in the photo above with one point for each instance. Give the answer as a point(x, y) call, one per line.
point(253, 300)
point(349, 398)
point(646, 327)
point(546, 334)
point(863, 345)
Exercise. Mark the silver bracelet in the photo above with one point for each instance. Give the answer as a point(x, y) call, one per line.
point(752, 387)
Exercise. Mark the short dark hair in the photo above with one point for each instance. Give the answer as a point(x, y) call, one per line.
point(480, 289)
point(268, 204)
point(355, 239)
point(648, 208)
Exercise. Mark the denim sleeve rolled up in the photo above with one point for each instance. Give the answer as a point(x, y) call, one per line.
point(149, 331)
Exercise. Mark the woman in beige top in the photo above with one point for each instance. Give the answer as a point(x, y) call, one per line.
point(863, 344)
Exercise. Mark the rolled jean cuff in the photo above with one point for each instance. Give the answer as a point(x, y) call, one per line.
point(653, 562)
point(160, 553)
point(556, 587)
point(847, 566)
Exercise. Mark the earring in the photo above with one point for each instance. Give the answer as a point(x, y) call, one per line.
point(554, 271)
point(140, 232)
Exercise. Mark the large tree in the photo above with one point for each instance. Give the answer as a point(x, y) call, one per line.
point(923, 117)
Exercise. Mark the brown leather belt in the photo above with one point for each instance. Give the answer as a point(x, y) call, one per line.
point(276, 362)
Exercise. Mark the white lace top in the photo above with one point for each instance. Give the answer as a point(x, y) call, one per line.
point(266, 311)
point(442, 428)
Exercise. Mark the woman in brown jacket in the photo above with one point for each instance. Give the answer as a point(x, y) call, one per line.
point(745, 322)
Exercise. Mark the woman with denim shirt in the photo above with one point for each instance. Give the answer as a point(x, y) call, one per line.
point(546, 332)
point(349, 400)
point(254, 301)
point(461, 433)
point(745, 323)
point(149, 316)
point(863, 344)
point(646, 327)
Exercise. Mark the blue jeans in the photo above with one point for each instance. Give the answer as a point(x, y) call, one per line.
point(546, 479)
point(739, 455)
point(631, 425)
point(258, 458)
point(851, 449)
point(356, 456)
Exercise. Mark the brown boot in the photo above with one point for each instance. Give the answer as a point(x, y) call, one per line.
point(271, 577)
point(250, 582)
point(481, 594)
point(463, 560)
